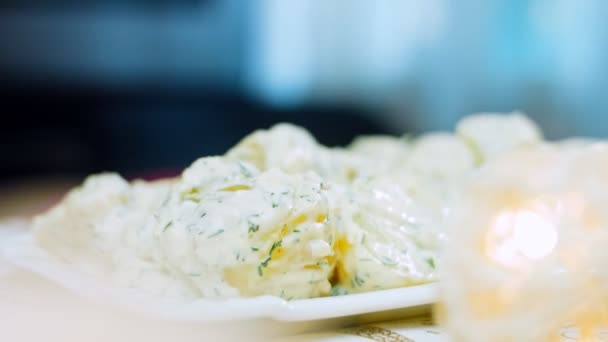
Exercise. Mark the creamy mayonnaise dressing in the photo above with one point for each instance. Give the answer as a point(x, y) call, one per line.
point(279, 214)
point(386, 238)
point(285, 146)
point(492, 134)
point(104, 228)
point(229, 229)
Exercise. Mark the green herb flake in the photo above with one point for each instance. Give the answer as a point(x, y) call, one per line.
point(338, 291)
point(274, 246)
point(244, 170)
point(168, 225)
point(215, 234)
point(388, 262)
point(260, 272)
point(265, 262)
point(166, 200)
point(358, 280)
point(255, 249)
point(253, 227)
point(431, 262)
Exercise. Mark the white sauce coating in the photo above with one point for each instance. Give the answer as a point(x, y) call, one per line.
point(232, 230)
point(104, 228)
point(279, 214)
point(491, 134)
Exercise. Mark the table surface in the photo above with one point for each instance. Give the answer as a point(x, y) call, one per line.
point(32, 196)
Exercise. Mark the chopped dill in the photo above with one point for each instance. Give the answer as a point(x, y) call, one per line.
point(244, 170)
point(265, 262)
point(388, 262)
point(338, 291)
point(215, 234)
point(168, 225)
point(253, 227)
point(358, 281)
point(274, 246)
point(262, 265)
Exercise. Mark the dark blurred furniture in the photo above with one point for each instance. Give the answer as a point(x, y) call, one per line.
point(68, 131)
point(133, 87)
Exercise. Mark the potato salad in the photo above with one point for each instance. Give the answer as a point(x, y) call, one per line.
point(280, 214)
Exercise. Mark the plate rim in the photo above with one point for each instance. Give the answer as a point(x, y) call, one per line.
point(205, 309)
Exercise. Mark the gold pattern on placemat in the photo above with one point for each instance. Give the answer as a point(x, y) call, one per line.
point(378, 334)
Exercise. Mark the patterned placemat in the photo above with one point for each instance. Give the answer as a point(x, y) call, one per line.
point(421, 329)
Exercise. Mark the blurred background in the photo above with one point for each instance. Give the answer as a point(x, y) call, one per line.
point(143, 87)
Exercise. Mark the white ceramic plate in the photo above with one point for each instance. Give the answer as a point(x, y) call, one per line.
point(16, 248)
